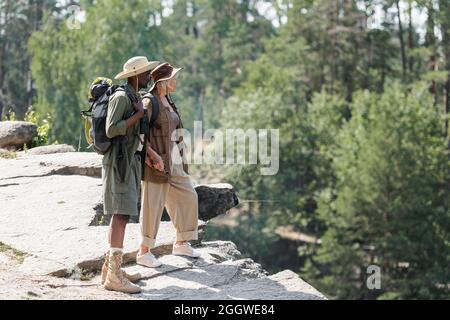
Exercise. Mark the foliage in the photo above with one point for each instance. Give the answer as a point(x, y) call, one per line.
point(43, 128)
point(390, 205)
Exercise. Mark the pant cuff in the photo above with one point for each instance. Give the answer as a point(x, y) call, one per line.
point(187, 236)
point(148, 242)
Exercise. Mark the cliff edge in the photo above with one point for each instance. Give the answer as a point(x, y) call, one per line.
point(53, 236)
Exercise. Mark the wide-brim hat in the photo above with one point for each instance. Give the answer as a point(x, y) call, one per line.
point(163, 72)
point(136, 66)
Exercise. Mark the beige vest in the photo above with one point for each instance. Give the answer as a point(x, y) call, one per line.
point(160, 141)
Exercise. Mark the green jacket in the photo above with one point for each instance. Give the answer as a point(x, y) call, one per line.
point(119, 107)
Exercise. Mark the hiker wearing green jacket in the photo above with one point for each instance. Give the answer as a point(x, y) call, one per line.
point(121, 172)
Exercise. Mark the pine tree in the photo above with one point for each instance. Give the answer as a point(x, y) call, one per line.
point(390, 206)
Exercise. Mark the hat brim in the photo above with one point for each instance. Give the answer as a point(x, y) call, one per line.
point(126, 74)
point(173, 74)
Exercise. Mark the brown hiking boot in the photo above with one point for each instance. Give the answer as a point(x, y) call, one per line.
point(115, 279)
point(133, 277)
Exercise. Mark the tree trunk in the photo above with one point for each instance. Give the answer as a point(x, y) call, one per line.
point(194, 20)
point(444, 7)
point(334, 19)
point(430, 42)
point(36, 19)
point(410, 37)
point(447, 106)
point(402, 42)
point(201, 101)
point(4, 16)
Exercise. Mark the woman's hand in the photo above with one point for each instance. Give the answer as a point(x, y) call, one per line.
point(156, 164)
point(154, 160)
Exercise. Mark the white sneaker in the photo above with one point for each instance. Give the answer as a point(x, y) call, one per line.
point(185, 249)
point(148, 260)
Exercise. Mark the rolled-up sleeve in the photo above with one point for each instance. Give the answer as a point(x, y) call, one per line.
point(115, 125)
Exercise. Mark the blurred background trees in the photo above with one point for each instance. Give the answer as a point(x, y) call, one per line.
point(360, 90)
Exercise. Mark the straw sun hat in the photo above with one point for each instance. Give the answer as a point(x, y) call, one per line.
point(163, 72)
point(136, 66)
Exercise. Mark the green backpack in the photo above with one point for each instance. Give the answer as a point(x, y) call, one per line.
point(100, 93)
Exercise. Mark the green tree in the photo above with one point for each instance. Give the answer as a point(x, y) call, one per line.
point(18, 21)
point(390, 205)
point(113, 31)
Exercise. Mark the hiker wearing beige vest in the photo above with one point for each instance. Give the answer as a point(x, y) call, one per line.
point(166, 179)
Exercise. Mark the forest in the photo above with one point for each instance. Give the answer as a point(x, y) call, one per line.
point(359, 90)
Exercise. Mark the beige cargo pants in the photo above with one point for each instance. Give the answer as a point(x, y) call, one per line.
point(180, 199)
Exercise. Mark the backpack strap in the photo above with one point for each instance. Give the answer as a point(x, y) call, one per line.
point(155, 111)
point(148, 126)
point(87, 113)
point(122, 88)
point(155, 108)
point(133, 99)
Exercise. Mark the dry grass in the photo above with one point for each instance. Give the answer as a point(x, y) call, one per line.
point(17, 255)
point(5, 154)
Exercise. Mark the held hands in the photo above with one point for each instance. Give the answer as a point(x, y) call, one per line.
point(154, 160)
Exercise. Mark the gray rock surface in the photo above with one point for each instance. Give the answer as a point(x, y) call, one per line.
point(70, 163)
point(48, 204)
point(56, 148)
point(220, 273)
point(16, 133)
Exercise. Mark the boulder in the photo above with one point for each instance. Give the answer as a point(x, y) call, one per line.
point(16, 133)
point(213, 200)
point(56, 148)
